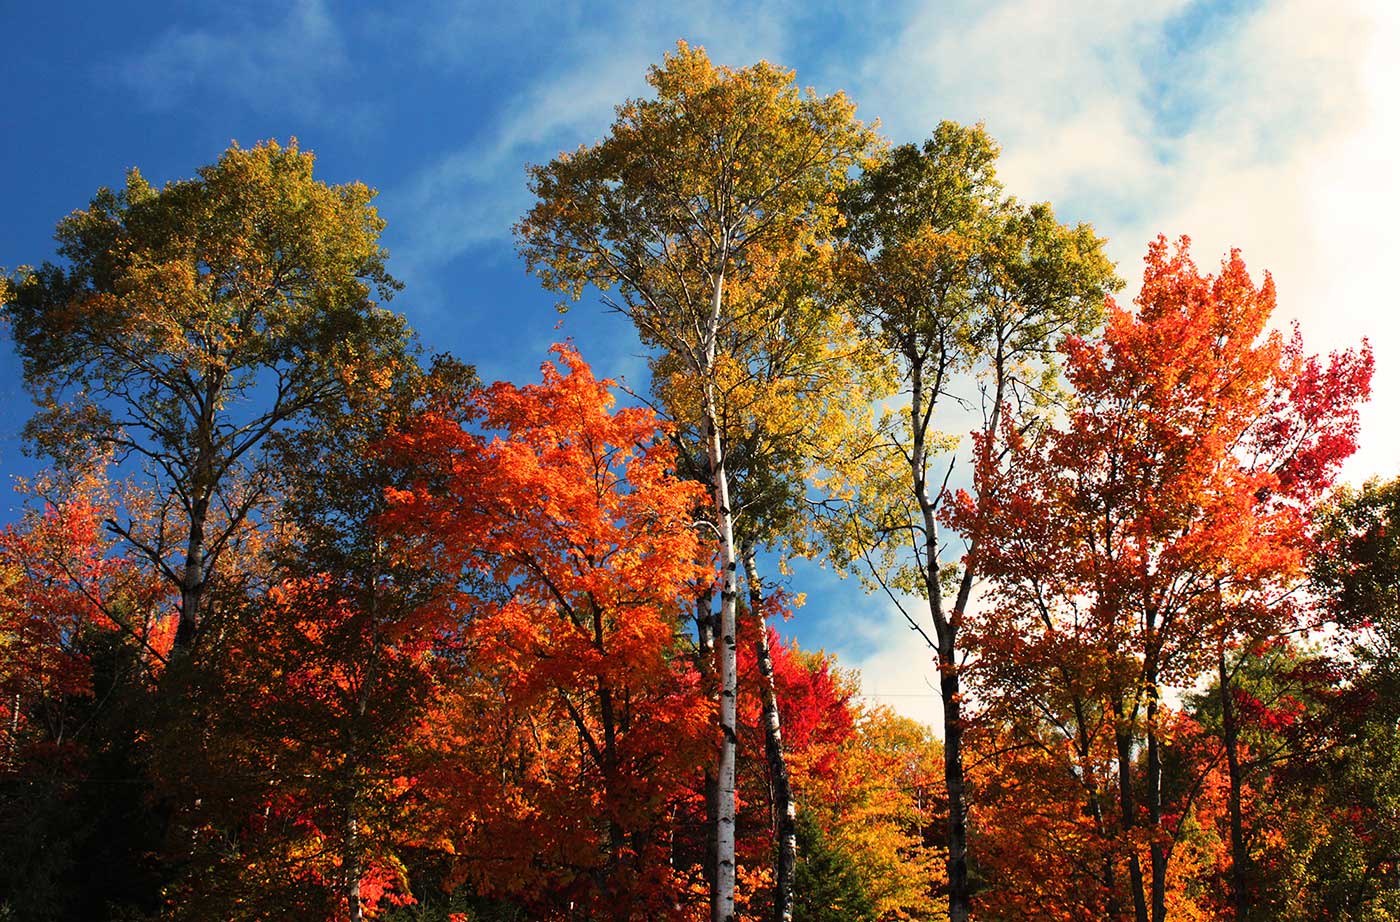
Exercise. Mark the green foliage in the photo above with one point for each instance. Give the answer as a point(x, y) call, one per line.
point(1359, 569)
point(1347, 835)
point(970, 293)
point(188, 292)
point(827, 887)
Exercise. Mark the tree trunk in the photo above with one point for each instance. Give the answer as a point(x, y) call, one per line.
point(355, 871)
point(949, 682)
point(1239, 895)
point(722, 908)
point(706, 627)
point(192, 580)
point(12, 746)
point(725, 869)
point(705, 630)
point(1155, 849)
point(1128, 809)
point(784, 807)
point(946, 633)
point(195, 576)
point(1094, 790)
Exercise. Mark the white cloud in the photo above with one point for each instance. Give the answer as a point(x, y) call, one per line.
point(1275, 131)
point(900, 670)
point(1295, 167)
point(1272, 129)
point(285, 63)
point(474, 195)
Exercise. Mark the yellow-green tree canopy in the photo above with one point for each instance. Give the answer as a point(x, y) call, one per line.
point(703, 216)
point(727, 179)
point(189, 323)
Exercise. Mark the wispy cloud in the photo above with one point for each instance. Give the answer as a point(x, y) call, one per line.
point(472, 196)
point(1267, 126)
point(266, 62)
point(897, 668)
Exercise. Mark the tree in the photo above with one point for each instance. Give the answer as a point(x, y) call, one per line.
point(306, 712)
point(192, 322)
point(869, 782)
point(83, 634)
point(1336, 792)
point(954, 282)
point(806, 380)
point(577, 729)
point(694, 210)
point(1357, 567)
point(1164, 517)
point(882, 802)
point(303, 770)
point(828, 889)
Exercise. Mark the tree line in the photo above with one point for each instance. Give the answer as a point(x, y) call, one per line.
point(302, 623)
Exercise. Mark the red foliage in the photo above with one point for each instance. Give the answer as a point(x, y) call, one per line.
point(59, 583)
point(1163, 519)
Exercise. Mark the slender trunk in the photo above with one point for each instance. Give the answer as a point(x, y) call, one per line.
point(1239, 895)
point(959, 891)
point(722, 908)
point(608, 712)
point(12, 746)
point(1156, 849)
point(192, 581)
point(725, 869)
point(355, 852)
point(1094, 790)
point(355, 871)
point(705, 630)
point(946, 633)
point(705, 627)
point(784, 806)
point(1128, 809)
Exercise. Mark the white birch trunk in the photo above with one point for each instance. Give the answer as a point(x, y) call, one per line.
point(722, 908)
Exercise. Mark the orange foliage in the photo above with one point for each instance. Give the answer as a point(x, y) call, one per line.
point(579, 729)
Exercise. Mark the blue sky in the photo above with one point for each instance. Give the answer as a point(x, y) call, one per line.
point(1272, 126)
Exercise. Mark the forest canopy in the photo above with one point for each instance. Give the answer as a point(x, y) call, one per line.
point(302, 623)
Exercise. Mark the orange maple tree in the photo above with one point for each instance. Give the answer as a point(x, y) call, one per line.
point(579, 728)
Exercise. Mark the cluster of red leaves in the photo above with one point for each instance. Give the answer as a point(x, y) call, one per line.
point(58, 581)
point(1161, 521)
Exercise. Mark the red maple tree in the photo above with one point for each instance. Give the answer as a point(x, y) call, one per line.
point(1159, 522)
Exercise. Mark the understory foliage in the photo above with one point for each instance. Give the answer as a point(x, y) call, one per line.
point(303, 625)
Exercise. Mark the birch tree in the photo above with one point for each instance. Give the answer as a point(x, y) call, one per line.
point(691, 215)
